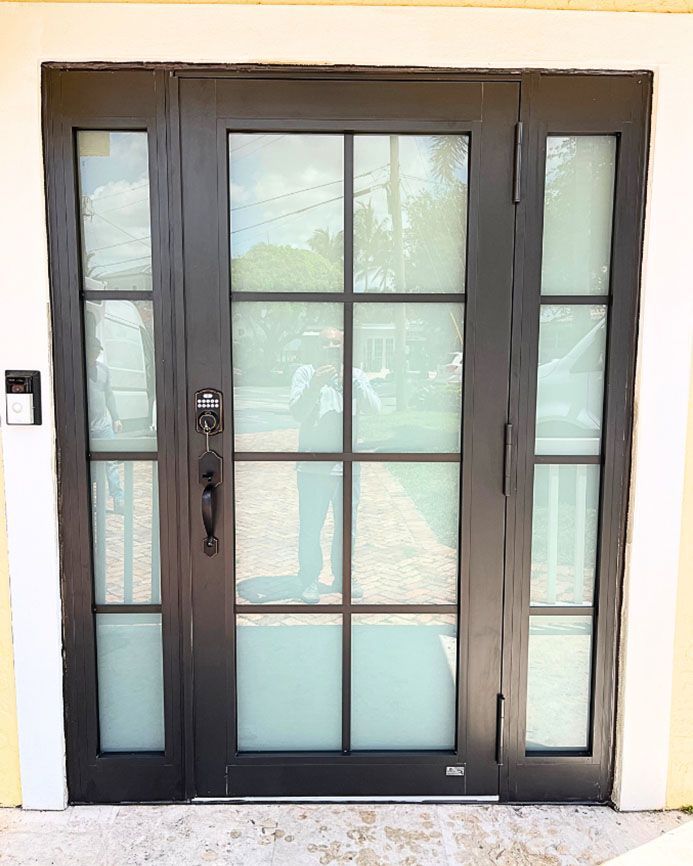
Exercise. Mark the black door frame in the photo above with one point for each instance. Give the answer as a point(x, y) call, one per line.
point(209, 108)
point(104, 96)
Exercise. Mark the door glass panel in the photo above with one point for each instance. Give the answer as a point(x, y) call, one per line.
point(125, 532)
point(287, 212)
point(578, 210)
point(564, 534)
point(289, 670)
point(121, 388)
point(114, 210)
point(410, 213)
point(570, 380)
point(408, 377)
point(130, 680)
point(558, 682)
point(288, 376)
point(288, 532)
point(405, 522)
point(403, 675)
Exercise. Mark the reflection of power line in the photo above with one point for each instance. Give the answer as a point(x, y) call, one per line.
point(122, 192)
point(123, 262)
point(304, 189)
point(122, 206)
point(118, 228)
point(264, 144)
point(301, 210)
point(254, 139)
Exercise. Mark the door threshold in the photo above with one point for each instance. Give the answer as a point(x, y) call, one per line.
point(491, 798)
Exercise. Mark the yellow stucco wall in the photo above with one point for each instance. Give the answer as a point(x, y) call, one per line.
point(680, 786)
point(590, 5)
point(10, 793)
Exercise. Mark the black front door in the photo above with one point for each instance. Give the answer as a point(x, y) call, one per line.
point(348, 273)
point(344, 368)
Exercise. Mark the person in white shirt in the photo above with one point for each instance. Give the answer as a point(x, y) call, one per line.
point(317, 402)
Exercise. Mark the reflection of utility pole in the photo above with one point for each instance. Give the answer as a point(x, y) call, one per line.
point(395, 201)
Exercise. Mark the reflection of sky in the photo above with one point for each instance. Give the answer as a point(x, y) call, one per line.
point(284, 187)
point(114, 190)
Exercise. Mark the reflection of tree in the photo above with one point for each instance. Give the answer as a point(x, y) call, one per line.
point(577, 214)
point(372, 247)
point(271, 340)
point(273, 268)
point(329, 246)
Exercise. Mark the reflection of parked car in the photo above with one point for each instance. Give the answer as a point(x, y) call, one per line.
point(452, 370)
point(571, 389)
point(129, 355)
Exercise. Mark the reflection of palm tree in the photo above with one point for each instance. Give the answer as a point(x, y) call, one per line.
point(448, 157)
point(329, 246)
point(373, 245)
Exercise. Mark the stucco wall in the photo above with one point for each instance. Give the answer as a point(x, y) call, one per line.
point(478, 38)
point(675, 6)
point(680, 787)
point(10, 792)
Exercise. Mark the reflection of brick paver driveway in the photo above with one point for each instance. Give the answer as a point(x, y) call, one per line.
point(397, 557)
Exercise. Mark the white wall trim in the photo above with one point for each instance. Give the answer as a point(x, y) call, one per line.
point(488, 38)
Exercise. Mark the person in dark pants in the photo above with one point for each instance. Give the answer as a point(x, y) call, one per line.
point(104, 422)
point(317, 401)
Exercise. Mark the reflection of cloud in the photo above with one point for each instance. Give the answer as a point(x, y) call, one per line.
point(115, 205)
point(275, 176)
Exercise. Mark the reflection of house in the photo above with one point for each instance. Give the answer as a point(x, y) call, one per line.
point(137, 279)
point(376, 347)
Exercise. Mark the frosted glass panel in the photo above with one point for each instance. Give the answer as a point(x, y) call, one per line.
point(564, 534)
point(121, 386)
point(403, 681)
point(408, 376)
point(405, 521)
point(114, 210)
point(558, 682)
point(288, 376)
point(578, 209)
point(287, 212)
point(410, 213)
point(130, 678)
point(288, 532)
point(570, 380)
point(289, 684)
point(125, 532)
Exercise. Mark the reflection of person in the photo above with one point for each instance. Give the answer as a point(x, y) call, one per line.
point(317, 401)
point(104, 422)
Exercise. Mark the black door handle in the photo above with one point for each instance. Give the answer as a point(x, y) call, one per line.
point(211, 545)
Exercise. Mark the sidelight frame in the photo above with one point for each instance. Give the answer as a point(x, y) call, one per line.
point(148, 97)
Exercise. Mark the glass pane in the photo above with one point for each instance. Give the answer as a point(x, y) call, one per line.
point(578, 208)
point(125, 532)
point(403, 681)
point(121, 387)
point(287, 212)
point(131, 686)
point(289, 670)
point(564, 534)
point(288, 532)
point(408, 377)
point(410, 213)
point(558, 682)
point(287, 373)
point(570, 381)
point(114, 210)
point(405, 522)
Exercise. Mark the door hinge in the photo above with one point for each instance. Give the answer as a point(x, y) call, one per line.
point(500, 729)
point(226, 779)
point(507, 460)
point(517, 171)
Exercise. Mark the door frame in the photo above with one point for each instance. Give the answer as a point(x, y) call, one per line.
point(210, 106)
point(134, 96)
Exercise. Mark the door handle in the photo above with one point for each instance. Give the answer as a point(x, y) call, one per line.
point(210, 475)
point(211, 543)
